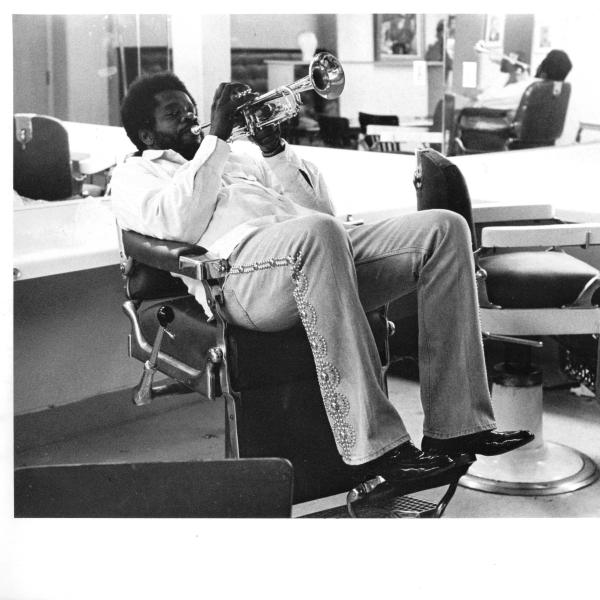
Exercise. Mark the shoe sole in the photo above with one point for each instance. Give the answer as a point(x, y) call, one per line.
point(516, 445)
point(413, 475)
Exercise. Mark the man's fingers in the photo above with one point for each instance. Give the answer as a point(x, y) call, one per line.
point(218, 97)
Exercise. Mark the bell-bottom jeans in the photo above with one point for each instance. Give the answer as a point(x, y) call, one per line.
point(314, 269)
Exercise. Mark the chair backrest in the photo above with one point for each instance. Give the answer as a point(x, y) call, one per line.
point(334, 130)
point(150, 263)
point(365, 119)
point(540, 117)
point(41, 159)
point(440, 184)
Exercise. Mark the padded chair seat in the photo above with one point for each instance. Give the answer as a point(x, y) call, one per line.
point(535, 279)
point(268, 358)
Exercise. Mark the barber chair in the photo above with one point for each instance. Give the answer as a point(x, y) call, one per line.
point(537, 290)
point(43, 168)
point(539, 121)
point(273, 405)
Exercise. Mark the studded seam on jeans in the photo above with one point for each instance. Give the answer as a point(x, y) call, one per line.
point(336, 404)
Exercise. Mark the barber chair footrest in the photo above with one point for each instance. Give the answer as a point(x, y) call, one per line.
point(381, 505)
point(376, 499)
point(380, 508)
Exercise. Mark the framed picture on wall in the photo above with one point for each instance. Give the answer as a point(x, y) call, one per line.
point(542, 38)
point(494, 31)
point(398, 37)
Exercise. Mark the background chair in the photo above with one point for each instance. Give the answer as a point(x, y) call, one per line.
point(366, 119)
point(400, 140)
point(539, 121)
point(336, 132)
point(388, 146)
point(522, 293)
point(273, 404)
point(43, 168)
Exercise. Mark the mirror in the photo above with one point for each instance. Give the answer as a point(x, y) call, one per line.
point(75, 67)
point(496, 58)
point(422, 69)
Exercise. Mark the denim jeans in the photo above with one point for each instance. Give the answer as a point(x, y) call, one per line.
point(313, 269)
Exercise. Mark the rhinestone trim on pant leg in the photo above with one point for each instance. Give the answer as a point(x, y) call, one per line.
point(337, 406)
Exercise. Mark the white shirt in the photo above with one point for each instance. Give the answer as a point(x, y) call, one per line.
point(216, 199)
point(505, 97)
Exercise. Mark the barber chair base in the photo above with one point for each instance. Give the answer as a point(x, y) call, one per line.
point(544, 471)
point(537, 469)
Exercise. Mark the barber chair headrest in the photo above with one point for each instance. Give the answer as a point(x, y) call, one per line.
point(41, 159)
point(440, 184)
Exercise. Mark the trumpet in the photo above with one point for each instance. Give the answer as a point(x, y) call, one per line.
point(481, 48)
point(325, 77)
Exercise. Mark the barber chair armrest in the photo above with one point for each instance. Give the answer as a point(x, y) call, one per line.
point(580, 234)
point(160, 254)
point(203, 267)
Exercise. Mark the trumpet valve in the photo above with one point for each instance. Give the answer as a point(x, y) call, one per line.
point(242, 94)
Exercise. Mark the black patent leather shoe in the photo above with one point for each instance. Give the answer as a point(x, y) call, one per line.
point(406, 462)
point(487, 443)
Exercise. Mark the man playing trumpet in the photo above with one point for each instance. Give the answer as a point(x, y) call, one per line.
point(291, 261)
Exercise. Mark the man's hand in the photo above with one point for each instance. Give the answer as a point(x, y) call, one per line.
point(224, 107)
point(268, 139)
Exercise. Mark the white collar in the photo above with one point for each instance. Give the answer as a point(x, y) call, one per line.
point(155, 154)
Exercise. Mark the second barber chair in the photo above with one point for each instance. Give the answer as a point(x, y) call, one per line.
point(529, 286)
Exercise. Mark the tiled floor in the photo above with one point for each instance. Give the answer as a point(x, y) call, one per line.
point(196, 432)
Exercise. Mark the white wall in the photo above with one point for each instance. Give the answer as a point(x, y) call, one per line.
point(374, 87)
point(153, 29)
point(87, 87)
point(270, 31)
point(201, 55)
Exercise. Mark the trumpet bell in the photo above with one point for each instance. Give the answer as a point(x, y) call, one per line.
point(327, 76)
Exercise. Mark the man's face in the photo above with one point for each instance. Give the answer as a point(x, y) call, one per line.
point(174, 115)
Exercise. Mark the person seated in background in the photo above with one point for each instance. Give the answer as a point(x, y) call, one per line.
point(292, 261)
point(555, 66)
point(436, 52)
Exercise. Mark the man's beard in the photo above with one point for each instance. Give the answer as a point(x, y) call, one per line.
point(186, 147)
